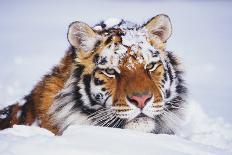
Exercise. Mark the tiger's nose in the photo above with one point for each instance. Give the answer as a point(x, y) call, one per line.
point(139, 100)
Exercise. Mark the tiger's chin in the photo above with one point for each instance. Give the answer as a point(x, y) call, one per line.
point(143, 124)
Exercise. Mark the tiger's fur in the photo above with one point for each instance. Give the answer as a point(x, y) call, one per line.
point(100, 75)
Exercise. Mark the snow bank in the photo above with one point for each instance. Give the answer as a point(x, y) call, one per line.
point(201, 135)
point(23, 140)
point(207, 130)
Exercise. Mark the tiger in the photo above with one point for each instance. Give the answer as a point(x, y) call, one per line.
point(116, 75)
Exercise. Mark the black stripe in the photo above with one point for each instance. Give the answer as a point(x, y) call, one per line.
point(96, 46)
point(108, 40)
point(170, 73)
point(165, 76)
point(167, 93)
point(87, 80)
point(76, 94)
point(25, 109)
point(6, 122)
point(78, 71)
point(96, 58)
point(98, 82)
point(180, 89)
point(172, 58)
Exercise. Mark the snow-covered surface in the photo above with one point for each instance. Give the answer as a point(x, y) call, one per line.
point(33, 39)
point(22, 140)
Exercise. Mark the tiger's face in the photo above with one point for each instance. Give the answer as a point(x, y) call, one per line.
point(128, 80)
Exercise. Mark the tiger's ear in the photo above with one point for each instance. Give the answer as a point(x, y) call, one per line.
point(160, 26)
point(82, 36)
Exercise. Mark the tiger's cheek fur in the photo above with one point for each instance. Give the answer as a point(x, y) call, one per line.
point(105, 86)
point(157, 77)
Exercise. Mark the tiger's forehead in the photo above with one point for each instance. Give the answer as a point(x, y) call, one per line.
point(138, 44)
point(130, 33)
point(133, 49)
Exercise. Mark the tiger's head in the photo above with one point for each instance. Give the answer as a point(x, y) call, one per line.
point(123, 77)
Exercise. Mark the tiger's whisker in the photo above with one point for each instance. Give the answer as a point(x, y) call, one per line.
point(99, 119)
point(108, 121)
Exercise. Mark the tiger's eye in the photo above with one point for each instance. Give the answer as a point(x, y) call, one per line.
point(150, 66)
point(110, 71)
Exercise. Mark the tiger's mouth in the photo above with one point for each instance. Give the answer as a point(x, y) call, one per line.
point(141, 123)
point(141, 115)
point(139, 118)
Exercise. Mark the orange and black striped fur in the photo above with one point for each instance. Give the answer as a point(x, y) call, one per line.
point(40, 99)
point(119, 76)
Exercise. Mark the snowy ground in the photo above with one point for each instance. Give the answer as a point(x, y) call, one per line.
point(98, 141)
point(33, 39)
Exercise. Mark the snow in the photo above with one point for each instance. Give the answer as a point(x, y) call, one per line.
point(134, 38)
point(85, 140)
point(2, 116)
point(110, 22)
point(33, 39)
point(201, 128)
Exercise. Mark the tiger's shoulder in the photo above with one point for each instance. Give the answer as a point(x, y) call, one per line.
point(33, 108)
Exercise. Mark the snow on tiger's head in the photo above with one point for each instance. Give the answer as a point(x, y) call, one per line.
point(127, 70)
point(121, 38)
